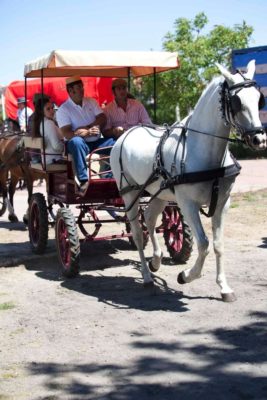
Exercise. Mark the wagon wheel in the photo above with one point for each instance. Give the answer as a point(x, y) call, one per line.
point(3, 205)
point(177, 235)
point(144, 229)
point(38, 223)
point(67, 242)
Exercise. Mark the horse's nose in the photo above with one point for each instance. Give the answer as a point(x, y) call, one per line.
point(260, 141)
point(256, 141)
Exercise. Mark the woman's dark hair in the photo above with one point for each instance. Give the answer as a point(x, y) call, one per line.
point(38, 115)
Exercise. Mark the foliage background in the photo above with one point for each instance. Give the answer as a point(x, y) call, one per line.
point(179, 90)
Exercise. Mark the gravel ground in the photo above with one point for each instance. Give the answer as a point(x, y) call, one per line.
point(103, 336)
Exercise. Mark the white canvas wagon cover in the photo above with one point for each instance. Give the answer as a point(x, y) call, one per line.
point(101, 63)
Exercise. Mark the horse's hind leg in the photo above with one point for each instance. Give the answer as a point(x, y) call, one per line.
point(3, 192)
point(190, 212)
point(218, 244)
point(11, 190)
point(151, 214)
point(138, 236)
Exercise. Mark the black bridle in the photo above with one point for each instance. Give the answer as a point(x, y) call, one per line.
point(231, 105)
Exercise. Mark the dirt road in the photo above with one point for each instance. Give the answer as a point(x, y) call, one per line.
point(103, 336)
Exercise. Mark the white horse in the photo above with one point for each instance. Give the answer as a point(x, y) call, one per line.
point(192, 166)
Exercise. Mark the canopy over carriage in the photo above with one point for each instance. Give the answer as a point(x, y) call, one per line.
point(101, 63)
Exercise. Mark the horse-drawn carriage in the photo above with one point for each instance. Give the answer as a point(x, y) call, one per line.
point(188, 164)
point(102, 203)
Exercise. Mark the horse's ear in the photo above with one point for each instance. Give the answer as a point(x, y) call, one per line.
point(228, 76)
point(251, 67)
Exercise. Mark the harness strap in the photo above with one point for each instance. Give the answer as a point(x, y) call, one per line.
point(170, 181)
point(213, 201)
point(152, 178)
point(202, 176)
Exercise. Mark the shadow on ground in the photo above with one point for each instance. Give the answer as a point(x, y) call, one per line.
point(217, 376)
point(13, 226)
point(264, 243)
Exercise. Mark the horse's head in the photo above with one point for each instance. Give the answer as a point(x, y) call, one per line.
point(241, 102)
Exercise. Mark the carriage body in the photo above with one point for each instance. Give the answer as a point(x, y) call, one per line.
point(102, 202)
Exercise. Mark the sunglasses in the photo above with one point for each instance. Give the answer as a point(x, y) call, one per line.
point(50, 108)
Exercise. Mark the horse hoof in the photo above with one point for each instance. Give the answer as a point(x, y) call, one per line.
point(151, 267)
point(148, 285)
point(25, 220)
point(228, 297)
point(180, 279)
point(13, 218)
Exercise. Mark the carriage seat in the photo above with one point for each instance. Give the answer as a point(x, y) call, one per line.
point(37, 143)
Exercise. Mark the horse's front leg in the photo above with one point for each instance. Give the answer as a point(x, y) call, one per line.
point(151, 214)
point(190, 212)
point(218, 243)
point(137, 233)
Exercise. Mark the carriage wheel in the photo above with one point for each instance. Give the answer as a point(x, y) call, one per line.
point(143, 227)
point(3, 205)
point(177, 235)
point(38, 223)
point(67, 241)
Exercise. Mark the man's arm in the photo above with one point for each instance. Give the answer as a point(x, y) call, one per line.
point(100, 120)
point(67, 132)
point(85, 131)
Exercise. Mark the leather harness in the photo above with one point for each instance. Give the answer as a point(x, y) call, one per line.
point(169, 180)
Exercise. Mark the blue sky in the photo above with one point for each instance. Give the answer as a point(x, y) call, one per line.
point(31, 28)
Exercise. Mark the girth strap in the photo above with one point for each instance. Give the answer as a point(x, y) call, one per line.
point(213, 201)
point(202, 176)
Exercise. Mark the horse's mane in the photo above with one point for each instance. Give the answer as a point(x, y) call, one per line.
point(210, 88)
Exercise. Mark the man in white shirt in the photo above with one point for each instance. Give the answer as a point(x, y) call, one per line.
point(81, 120)
point(22, 112)
point(123, 112)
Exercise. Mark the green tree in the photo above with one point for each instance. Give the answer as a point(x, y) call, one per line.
point(198, 51)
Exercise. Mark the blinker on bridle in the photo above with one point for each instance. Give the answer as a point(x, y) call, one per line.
point(231, 104)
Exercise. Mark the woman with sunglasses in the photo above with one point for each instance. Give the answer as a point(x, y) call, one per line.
point(54, 145)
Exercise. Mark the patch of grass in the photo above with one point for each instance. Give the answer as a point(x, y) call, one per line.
point(7, 306)
point(9, 375)
point(17, 332)
point(250, 197)
point(234, 205)
point(4, 397)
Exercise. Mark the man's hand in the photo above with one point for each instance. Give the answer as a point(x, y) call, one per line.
point(118, 131)
point(87, 132)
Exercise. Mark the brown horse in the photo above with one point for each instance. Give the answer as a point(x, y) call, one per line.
point(14, 166)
